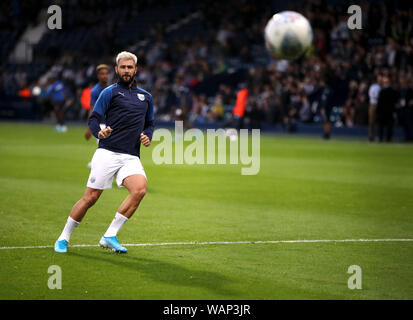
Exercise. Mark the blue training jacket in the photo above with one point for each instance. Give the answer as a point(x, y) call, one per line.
point(129, 112)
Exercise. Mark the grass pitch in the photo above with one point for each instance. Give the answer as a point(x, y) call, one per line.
point(306, 189)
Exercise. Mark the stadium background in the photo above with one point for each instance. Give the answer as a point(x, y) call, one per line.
point(183, 240)
point(196, 60)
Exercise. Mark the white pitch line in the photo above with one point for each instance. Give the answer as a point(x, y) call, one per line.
point(218, 242)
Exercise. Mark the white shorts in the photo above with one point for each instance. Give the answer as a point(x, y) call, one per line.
point(108, 164)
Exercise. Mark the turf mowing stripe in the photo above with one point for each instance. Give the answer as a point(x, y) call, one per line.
point(218, 242)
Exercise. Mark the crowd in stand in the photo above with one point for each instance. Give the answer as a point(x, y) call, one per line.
point(331, 83)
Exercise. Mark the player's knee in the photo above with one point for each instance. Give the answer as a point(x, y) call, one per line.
point(90, 199)
point(139, 193)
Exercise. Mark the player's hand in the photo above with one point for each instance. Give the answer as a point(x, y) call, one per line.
point(145, 140)
point(105, 133)
point(88, 134)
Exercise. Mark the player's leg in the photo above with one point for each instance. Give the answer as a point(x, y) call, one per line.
point(131, 176)
point(88, 200)
point(104, 167)
point(59, 112)
point(76, 215)
point(136, 185)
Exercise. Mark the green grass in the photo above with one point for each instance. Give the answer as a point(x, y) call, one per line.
point(306, 189)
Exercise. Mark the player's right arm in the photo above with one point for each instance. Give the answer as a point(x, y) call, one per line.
point(99, 110)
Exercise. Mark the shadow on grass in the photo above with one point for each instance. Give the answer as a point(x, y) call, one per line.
point(166, 272)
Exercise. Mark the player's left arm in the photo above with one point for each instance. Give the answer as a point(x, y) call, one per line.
point(146, 135)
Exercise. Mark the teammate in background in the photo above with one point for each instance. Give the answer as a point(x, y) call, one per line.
point(102, 72)
point(374, 91)
point(128, 111)
point(60, 99)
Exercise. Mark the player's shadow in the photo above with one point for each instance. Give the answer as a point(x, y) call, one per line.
point(163, 271)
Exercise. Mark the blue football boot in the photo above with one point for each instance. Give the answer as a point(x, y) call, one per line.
point(61, 246)
point(113, 244)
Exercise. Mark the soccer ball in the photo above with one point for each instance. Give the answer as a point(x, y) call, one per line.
point(288, 35)
point(36, 91)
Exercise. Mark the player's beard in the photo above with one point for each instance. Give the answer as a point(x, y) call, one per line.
point(126, 80)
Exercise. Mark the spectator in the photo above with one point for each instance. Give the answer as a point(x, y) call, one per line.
point(405, 105)
point(386, 104)
point(374, 92)
point(361, 105)
point(240, 106)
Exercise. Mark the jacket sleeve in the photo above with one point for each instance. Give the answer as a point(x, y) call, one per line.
point(149, 120)
point(93, 97)
point(99, 110)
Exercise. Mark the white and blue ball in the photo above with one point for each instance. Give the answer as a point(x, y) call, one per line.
point(288, 35)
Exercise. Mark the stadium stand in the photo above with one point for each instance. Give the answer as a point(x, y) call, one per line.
point(197, 67)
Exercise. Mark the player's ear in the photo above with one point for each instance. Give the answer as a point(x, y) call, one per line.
point(116, 69)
